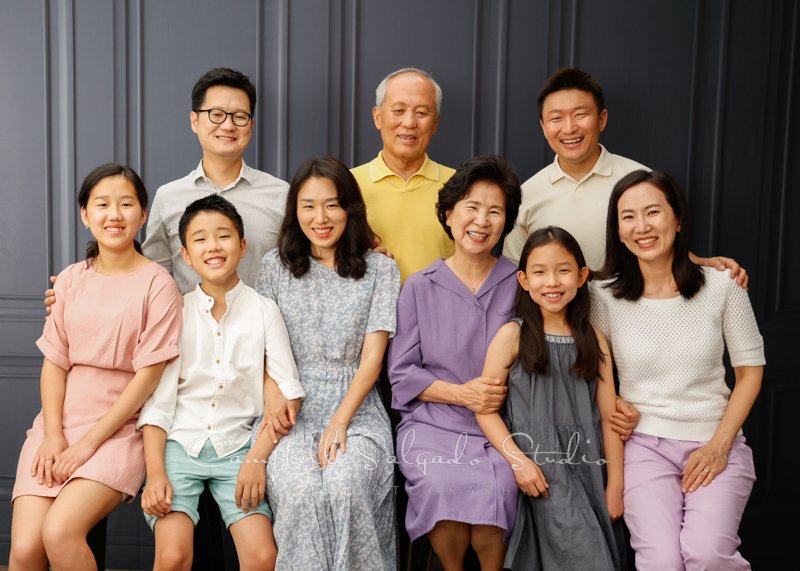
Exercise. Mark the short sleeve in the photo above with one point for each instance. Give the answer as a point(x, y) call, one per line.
point(160, 336)
point(266, 282)
point(598, 315)
point(383, 307)
point(407, 374)
point(515, 240)
point(156, 243)
point(54, 343)
point(742, 337)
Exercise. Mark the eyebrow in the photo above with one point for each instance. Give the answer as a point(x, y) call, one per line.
point(643, 208)
point(578, 108)
point(332, 199)
point(108, 197)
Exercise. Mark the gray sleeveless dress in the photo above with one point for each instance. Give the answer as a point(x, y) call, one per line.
point(554, 420)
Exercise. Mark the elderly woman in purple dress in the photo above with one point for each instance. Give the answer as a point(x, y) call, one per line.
point(461, 490)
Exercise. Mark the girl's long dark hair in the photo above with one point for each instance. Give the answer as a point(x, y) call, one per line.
point(533, 353)
point(622, 266)
point(294, 248)
point(93, 179)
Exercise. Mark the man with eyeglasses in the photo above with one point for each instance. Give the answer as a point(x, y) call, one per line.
point(223, 104)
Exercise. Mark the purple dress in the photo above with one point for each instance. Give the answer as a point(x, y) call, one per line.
point(443, 330)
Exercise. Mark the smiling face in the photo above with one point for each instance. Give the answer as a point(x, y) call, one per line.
point(113, 214)
point(647, 223)
point(477, 220)
point(320, 216)
point(407, 119)
point(552, 278)
point(572, 125)
point(225, 140)
point(214, 249)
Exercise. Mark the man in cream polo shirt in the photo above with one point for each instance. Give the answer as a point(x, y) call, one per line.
point(401, 185)
point(572, 191)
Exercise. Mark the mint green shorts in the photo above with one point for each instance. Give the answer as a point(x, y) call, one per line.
point(189, 475)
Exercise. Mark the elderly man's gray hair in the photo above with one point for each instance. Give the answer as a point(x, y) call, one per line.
point(380, 92)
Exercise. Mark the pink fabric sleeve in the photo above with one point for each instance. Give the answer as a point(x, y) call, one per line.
point(160, 337)
point(53, 343)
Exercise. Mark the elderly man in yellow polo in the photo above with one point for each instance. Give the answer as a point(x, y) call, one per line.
point(401, 184)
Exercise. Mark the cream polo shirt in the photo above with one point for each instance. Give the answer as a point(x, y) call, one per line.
point(403, 213)
point(215, 389)
point(553, 198)
point(260, 199)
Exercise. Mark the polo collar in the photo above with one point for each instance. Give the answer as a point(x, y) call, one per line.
point(378, 169)
point(603, 167)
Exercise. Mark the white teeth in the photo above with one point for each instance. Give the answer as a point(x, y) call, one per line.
point(646, 240)
point(552, 295)
point(322, 230)
point(215, 262)
point(477, 235)
point(114, 230)
point(572, 141)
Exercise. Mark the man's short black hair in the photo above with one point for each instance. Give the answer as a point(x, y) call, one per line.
point(210, 203)
point(223, 76)
point(571, 78)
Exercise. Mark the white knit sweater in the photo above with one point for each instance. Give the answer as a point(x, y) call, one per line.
point(669, 353)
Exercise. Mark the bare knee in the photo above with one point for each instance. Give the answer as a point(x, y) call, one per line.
point(27, 552)
point(262, 557)
point(173, 557)
point(62, 541)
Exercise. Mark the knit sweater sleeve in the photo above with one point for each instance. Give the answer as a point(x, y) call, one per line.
point(742, 337)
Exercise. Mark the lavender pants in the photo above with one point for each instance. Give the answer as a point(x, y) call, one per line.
point(671, 530)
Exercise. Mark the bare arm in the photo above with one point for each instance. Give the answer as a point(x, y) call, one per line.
point(53, 387)
point(335, 436)
point(606, 400)
point(500, 356)
point(157, 494)
point(709, 460)
point(132, 398)
point(251, 484)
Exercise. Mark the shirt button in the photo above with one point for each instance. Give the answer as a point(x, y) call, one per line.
point(217, 361)
point(209, 427)
point(206, 311)
point(218, 333)
point(221, 387)
point(213, 404)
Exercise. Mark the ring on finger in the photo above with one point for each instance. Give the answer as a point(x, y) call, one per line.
point(706, 470)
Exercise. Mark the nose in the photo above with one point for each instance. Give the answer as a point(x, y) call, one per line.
point(114, 212)
point(320, 215)
point(409, 118)
point(641, 225)
point(569, 124)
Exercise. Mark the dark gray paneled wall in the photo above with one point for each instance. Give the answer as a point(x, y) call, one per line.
point(705, 90)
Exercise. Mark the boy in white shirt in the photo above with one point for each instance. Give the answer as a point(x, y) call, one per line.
point(198, 423)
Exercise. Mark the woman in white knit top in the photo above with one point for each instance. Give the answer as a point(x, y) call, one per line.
point(688, 472)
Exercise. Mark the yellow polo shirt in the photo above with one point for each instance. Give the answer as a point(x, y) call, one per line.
point(403, 213)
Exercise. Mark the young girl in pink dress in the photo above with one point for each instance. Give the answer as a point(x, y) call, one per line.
point(105, 344)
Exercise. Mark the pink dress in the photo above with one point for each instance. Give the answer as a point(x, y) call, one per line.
point(102, 330)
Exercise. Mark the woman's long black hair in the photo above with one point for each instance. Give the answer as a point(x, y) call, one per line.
point(93, 179)
point(294, 248)
point(622, 266)
point(533, 353)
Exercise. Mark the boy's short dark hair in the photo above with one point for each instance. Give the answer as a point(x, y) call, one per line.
point(210, 203)
point(223, 76)
point(571, 78)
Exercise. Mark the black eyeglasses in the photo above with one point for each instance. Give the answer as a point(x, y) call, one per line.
point(218, 116)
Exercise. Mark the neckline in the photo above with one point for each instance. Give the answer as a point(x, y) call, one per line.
point(137, 270)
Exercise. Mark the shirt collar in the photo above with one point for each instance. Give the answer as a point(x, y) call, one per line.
point(230, 295)
point(379, 170)
point(602, 167)
point(245, 173)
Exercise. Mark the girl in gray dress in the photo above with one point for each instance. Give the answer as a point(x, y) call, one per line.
point(561, 392)
point(330, 481)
